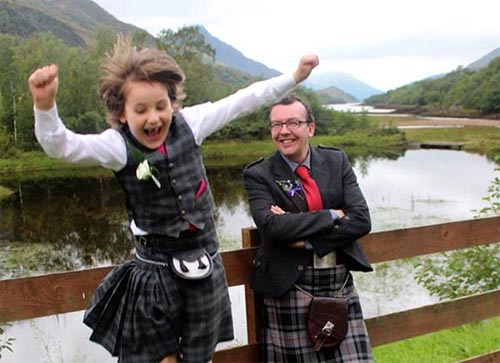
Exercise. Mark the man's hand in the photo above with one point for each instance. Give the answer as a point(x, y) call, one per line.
point(277, 210)
point(305, 67)
point(43, 85)
point(339, 212)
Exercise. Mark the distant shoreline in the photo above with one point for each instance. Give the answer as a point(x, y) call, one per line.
point(415, 119)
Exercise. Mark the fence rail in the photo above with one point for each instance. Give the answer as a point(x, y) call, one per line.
point(32, 297)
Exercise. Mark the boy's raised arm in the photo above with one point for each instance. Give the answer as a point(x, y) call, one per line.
point(305, 67)
point(43, 85)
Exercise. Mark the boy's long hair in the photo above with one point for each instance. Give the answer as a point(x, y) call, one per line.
point(129, 64)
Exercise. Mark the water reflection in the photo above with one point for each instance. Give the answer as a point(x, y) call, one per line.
point(68, 223)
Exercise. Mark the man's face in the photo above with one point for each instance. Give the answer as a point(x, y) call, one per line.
point(291, 142)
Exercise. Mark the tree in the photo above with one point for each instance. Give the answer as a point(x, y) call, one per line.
point(196, 58)
point(32, 53)
point(469, 271)
point(8, 85)
point(105, 40)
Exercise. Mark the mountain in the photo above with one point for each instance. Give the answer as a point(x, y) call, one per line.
point(336, 87)
point(485, 60)
point(229, 56)
point(343, 81)
point(332, 95)
point(74, 21)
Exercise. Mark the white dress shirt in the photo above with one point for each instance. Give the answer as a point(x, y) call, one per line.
point(108, 148)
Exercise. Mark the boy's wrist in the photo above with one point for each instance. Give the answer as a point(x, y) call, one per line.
point(45, 106)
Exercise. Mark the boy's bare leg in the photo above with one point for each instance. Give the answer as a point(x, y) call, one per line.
point(169, 359)
point(173, 359)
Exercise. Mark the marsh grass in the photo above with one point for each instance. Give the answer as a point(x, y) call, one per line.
point(446, 346)
point(5, 192)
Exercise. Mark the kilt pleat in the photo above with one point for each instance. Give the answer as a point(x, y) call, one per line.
point(142, 313)
point(284, 333)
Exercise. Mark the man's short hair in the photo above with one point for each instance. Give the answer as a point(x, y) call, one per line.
point(288, 100)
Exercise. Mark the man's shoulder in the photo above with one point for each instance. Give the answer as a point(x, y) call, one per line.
point(262, 163)
point(330, 153)
point(256, 164)
point(327, 147)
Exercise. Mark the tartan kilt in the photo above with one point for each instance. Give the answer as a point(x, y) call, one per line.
point(142, 313)
point(284, 331)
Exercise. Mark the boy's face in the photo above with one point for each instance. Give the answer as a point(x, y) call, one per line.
point(292, 142)
point(148, 112)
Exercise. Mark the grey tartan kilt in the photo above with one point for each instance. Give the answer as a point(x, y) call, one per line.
point(142, 313)
point(284, 331)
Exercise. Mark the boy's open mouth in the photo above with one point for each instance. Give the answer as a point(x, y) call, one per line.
point(152, 132)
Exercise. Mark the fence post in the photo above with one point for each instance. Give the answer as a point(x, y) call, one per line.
point(250, 238)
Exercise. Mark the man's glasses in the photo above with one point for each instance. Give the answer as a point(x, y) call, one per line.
point(290, 124)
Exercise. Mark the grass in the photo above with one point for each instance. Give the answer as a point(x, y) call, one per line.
point(4, 192)
point(482, 140)
point(442, 347)
point(237, 153)
point(216, 153)
point(446, 346)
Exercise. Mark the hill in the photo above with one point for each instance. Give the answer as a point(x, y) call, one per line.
point(485, 60)
point(229, 56)
point(74, 21)
point(343, 81)
point(333, 95)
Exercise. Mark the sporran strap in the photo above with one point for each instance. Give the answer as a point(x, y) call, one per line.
point(336, 295)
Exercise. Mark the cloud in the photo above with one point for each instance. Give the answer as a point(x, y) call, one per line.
point(384, 43)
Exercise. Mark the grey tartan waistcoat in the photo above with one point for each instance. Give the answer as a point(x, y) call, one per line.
point(170, 209)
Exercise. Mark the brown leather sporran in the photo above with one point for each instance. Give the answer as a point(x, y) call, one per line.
point(328, 318)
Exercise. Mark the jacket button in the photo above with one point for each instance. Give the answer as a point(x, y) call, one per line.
point(171, 165)
point(300, 267)
point(174, 181)
point(347, 218)
point(179, 197)
point(336, 226)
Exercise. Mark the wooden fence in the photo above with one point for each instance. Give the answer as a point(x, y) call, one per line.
point(32, 297)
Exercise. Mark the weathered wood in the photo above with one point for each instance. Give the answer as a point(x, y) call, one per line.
point(250, 238)
point(417, 241)
point(248, 353)
point(238, 265)
point(32, 297)
point(493, 357)
point(410, 323)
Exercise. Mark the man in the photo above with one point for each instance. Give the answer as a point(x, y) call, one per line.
point(308, 240)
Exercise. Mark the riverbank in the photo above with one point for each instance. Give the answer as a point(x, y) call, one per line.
point(384, 141)
point(481, 136)
point(408, 120)
point(223, 153)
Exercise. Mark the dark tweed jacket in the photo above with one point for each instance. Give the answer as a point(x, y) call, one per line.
point(278, 266)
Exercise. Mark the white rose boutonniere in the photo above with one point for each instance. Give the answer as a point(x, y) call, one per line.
point(145, 171)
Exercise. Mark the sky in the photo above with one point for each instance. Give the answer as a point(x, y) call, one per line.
point(384, 43)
